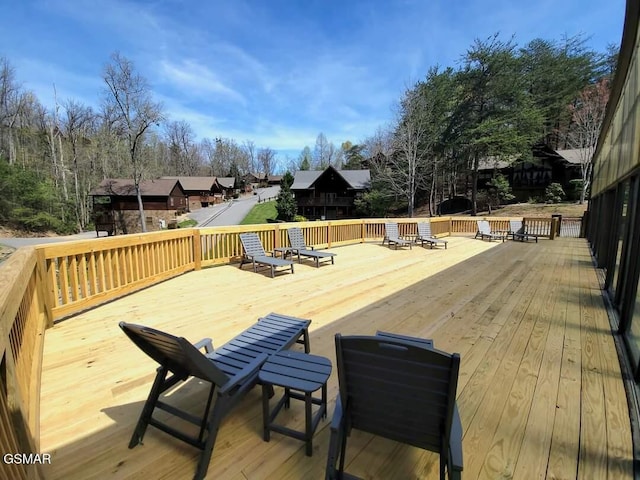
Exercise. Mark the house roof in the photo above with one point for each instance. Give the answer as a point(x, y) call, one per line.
point(575, 155)
point(356, 179)
point(194, 183)
point(490, 163)
point(124, 187)
point(227, 182)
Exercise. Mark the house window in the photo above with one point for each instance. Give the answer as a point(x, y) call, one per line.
point(171, 201)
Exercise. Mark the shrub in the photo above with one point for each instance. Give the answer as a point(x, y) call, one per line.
point(299, 218)
point(554, 193)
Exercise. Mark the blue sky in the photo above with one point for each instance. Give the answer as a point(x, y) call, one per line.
point(275, 72)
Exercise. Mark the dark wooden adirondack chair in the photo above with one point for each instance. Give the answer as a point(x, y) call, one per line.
point(299, 247)
point(254, 253)
point(398, 388)
point(232, 370)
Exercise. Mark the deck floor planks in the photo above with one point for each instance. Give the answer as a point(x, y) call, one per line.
point(563, 457)
point(498, 421)
point(533, 459)
point(493, 290)
point(617, 413)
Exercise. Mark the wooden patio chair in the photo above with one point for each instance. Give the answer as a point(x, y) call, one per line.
point(392, 235)
point(425, 236)
point(484, 231)
point(231, 369)
point(254, 253)
point(517, 231)
point(299, 247)
point(399, 388)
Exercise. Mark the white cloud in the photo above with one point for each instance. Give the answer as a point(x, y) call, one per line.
point(195, 78)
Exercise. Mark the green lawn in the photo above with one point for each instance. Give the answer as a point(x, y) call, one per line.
point(261, 213)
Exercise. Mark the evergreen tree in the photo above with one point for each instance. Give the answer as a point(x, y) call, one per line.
point(285, 201)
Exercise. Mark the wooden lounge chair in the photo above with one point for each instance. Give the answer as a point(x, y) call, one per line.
point(299, 247)
point(517, 231)
point(484, 231)
point(424, 235)
point(254, 253)
point(393, 236)
point(399, 388)
point(232, 370)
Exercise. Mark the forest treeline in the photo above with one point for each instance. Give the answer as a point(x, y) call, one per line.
point(496, 103)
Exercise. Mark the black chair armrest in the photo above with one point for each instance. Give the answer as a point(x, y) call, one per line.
point(205, 343)
point(338, 417)
point(455, 444)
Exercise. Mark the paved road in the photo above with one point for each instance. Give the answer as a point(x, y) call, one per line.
point(23, 242)
point(229, 213)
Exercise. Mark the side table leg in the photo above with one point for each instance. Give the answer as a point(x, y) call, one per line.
point(287, 397)
point(265, 411)
point(308, 423)
point(323, 405)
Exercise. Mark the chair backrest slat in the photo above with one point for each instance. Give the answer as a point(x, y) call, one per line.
point(296, 238)
point(397, 390)
point(177, 354)
point(252, 245)
point(516, 226)
point(424, 229)
point(484, 226)
point(392, 230)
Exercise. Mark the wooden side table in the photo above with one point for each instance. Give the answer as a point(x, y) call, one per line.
point(300, 374)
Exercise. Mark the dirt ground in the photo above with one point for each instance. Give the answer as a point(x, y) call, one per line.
point(539, 210)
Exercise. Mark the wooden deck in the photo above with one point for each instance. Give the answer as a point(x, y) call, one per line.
point(540, 390)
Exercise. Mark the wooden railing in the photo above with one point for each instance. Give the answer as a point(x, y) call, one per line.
point(44, 284)
point(22, 324)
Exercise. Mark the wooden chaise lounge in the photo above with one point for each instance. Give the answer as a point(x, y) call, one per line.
point(254, 253)
point(232, 370)
point(425, 236)
point(299, 247)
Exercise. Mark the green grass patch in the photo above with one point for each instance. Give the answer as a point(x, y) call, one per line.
point(261, 213)
point(188, 223)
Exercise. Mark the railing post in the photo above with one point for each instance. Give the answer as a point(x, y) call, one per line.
point(46, 290)
point(328, 234)
point(197, 249)
point(554, 228)
point(363, 231)
point(276, 233)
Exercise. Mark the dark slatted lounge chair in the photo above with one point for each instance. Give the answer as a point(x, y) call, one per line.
point(393, 236)
point(517, 231)
point(398, 388)
point(484, 231)
point(425, 236)
point(254, 253)
point(232, 370)
point(299, 247)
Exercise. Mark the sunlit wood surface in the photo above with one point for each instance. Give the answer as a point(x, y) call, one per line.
point(540, 392)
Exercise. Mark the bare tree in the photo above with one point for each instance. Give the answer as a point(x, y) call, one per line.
point(76, 126)
point(324, 153)
point(266, 158)
point(135, 112)
point(587, 115)
point(12, 102)
point(403, 170)
point(250, 150)
point(183, 153)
